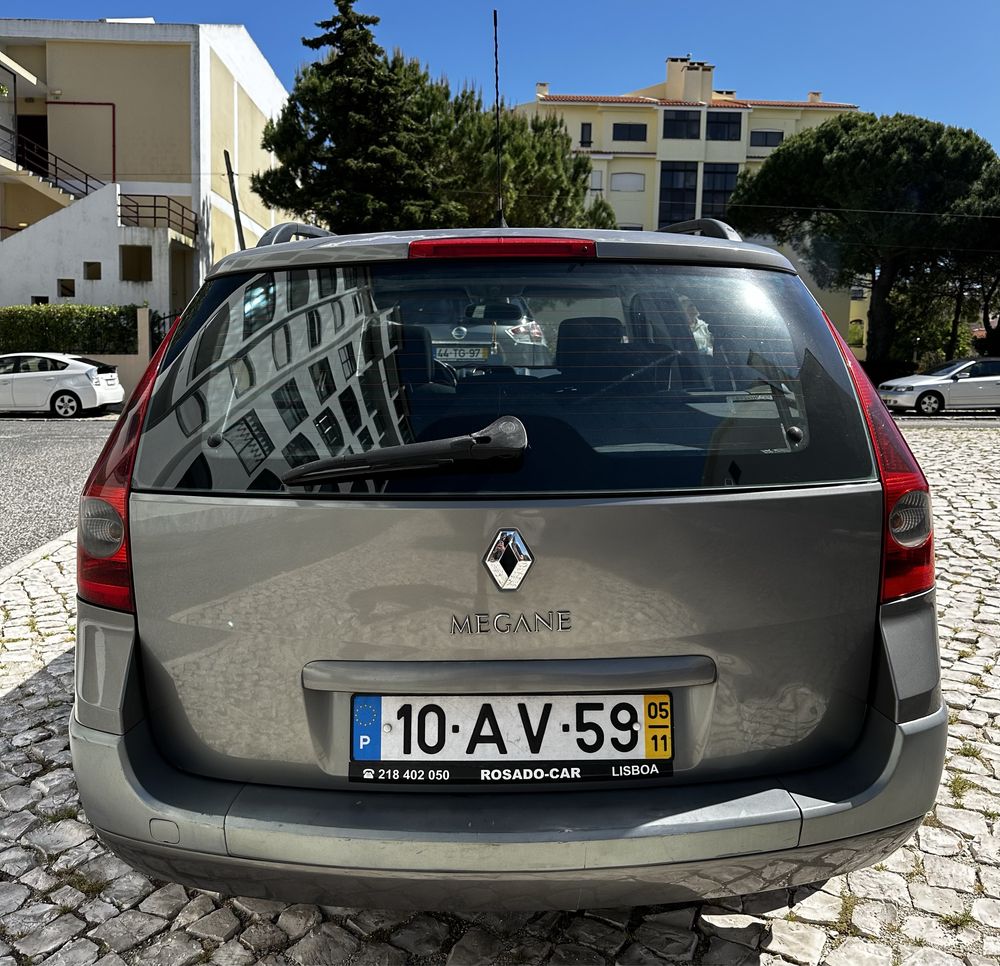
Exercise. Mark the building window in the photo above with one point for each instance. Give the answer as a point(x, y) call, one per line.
point(347, 361)
point(92, 271)
point(327, 281)
point(314, 328)
point(766, 139)
point(297, 293)
point(586, 134)
point(596, 180)
point(192, 413)
point(39, 300)
point(242, 374)
point(212, 341)
point(322, 377)
point(281, 346)
point(628, 181)
point(249, 441)
point(717, 186)
point(351, 409)
point(288, 402)
point(678, 191)
point(628, 132)
point(682, 125)
point(627, 227)
point(67, 288)
point(136, 262)
point(258, 305)
point(298, 450)
point(330, 431)
point(724, 126)
point(338, 315)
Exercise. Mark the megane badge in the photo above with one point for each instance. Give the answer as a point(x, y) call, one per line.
point(508, 559)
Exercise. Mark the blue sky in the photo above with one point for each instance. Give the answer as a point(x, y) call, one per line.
point(937, 60)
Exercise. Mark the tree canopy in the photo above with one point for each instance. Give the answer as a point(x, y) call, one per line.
point(866, 197)
point(369, 142)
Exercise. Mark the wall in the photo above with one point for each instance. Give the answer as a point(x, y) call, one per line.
point(19, 202)
point(150, 86)
point(32, 260)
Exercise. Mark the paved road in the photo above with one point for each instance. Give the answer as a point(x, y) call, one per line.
point(44, 463)
point(935, 902)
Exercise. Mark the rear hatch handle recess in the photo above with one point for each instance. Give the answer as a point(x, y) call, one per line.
point(504, 439)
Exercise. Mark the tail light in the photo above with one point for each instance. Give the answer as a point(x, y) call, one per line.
point(908, 537)
point(527, 332)
point(503, 246)
point(103, 563)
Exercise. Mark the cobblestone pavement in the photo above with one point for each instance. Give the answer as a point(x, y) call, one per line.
point(66, 901)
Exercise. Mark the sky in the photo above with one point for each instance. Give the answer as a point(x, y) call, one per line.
point(919, 57)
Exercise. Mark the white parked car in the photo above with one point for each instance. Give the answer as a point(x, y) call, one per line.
point(66, 385)
point(958, 384)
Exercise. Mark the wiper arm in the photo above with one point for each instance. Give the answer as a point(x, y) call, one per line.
point(504, 439)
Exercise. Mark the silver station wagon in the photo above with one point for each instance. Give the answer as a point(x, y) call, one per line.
point(649, 621)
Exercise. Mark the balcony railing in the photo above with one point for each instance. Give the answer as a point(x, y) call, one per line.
point(57, 171)
point(158, 211)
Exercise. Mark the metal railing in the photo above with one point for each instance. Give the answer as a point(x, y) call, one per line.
point(158, 211)
point(159, 326)
point(57, 171)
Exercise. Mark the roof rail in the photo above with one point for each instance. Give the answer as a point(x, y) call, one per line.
point(708, 227)
point(289, 231)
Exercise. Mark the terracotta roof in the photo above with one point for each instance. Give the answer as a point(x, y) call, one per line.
point(803, 104)
point(598, 98)
point(663, 102)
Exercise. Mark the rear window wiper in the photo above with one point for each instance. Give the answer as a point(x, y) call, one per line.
point(504, 439)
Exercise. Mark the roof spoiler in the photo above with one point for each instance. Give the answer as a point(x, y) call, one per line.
point(707, 227)
point(292, 231)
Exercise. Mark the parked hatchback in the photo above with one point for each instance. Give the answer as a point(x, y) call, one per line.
point(65, 385)
point(958, 384)
point(643, 623)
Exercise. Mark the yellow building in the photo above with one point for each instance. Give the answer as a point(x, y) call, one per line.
point(112, 177)
point(672, 151)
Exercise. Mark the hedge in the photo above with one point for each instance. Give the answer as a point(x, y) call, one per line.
point(96, 329)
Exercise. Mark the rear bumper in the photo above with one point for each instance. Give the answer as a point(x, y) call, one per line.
point(553, 850)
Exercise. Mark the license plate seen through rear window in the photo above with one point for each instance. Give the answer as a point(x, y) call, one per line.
point(510, 739)
point(449, 353)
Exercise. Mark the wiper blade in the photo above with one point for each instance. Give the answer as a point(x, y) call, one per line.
point(504, 439)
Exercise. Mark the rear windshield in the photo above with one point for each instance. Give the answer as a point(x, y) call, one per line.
point(628, 378)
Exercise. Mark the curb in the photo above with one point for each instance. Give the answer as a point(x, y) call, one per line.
point(23, 563)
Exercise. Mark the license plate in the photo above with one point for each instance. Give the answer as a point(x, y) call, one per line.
point(458, 353)
point(510, 739)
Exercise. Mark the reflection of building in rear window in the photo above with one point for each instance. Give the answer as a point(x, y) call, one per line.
point(211, 342)
point(299, 450)
point(329, 430)
point(281, 346)
point(249, 441)
point(327, 281)
point(349, 406)
point(365, 439)
point(297, 292)
point(314, 328)
point(192, 413)
point(242, 374)
point(338, 315)
point(258, 304)
point(288, 402)
point(322, 377)
point(347, 361)
point(374, 349)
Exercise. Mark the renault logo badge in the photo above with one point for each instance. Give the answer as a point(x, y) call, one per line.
point(508, 559)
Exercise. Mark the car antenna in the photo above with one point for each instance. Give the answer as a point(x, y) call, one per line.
point(501, 221)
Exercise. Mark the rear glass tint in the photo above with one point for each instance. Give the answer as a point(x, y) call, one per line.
point(628, 377)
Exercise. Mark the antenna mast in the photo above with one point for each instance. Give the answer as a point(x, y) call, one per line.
point(501, 221)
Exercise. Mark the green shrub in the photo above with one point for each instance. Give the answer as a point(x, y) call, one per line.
point(856, 333)
point(94, 329)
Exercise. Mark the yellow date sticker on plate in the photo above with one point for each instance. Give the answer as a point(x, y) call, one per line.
point(658, 726)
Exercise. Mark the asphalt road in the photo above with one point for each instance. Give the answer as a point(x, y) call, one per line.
point(44, 463)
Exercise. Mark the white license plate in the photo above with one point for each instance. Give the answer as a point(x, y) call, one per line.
point(510, 739)
point(450, 353)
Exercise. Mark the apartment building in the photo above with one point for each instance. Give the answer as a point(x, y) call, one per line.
point(113, 186)
point(672, 151)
